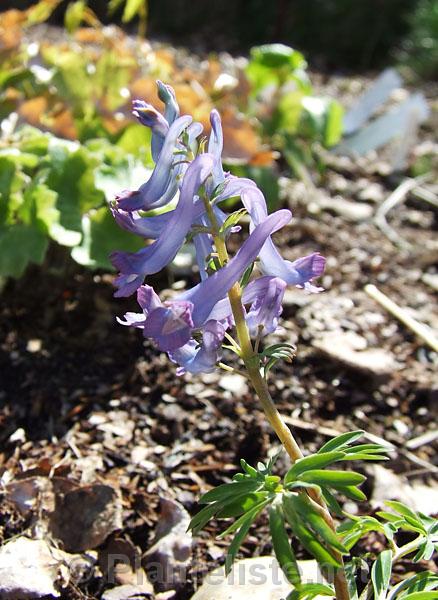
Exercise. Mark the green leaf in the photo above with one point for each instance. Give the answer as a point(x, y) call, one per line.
point(308, 539)
point(333, 124)
point(74, 15)
point(101, 236)
point(275, 56)
point(340, 442)
point(203, 516)
point(7, 172)
point(253, 511)
point(19, 246)
point(352, 492)
point(381, 574)
point(248, 468)
point(282, 547)
point(350, 574)
point(72, 177)
point(411, 517)
point(232, 220)
point(113, 5)
point(132, 8)
point(242, 504)
point(311, 462)
point(310, 515)
point(41, 11)
point(425, 551)
point(424, 581)
point(245, 523)
point(230, 490)
point(310, 590)
point(333, 478)
point(421, 596)
point(136, 140)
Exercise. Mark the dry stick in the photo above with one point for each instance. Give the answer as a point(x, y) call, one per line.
point(421, 330)
point(397, 196)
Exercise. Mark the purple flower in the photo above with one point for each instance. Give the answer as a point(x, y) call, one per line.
point(162, 185)
point(200, 358)
point(265, 310)
point(153, 258)
point(159, 126)
point(265, 295)
point(299, 272)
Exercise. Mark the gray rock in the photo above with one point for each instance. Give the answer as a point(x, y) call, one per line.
point(258, 578)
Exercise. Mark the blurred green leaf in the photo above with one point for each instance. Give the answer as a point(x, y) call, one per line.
point(101, 235)
point(20, 245)
point(41, 11)
point(275, 56)
point(74, 15)
point(132, 8)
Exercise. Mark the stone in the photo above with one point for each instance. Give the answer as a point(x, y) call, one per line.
point(258, 578)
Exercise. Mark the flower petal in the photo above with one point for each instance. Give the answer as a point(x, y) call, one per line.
point(166, 94)
point(207, 293)
point(196, 358)
point(266, 308)
point(160, 253)
point(162, 184)
point(299, 272)
point(170, 326)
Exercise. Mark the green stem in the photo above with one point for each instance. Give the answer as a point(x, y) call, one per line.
point(252, 364)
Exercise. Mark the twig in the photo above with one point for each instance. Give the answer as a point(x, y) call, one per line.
point(421, 440)
point(397, 196)
point(421, 330)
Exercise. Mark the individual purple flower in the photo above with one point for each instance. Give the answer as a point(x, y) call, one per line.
point(160, 253)
point(159, 125)
point(299, 272)
point(263, 314)
point(194, 357)
point(162, 185)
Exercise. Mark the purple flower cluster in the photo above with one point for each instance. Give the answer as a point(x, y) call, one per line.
point(188, 184)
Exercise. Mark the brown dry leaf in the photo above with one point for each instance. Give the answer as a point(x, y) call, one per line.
point(89, 35)
point(145, 88)
point(63, 124)
point(165, 56)
point(265, 158)
point(194, 101)
point(33, 110)
point(10, 28)
point(241, 142)
point(113, 125)
point(86, 516)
